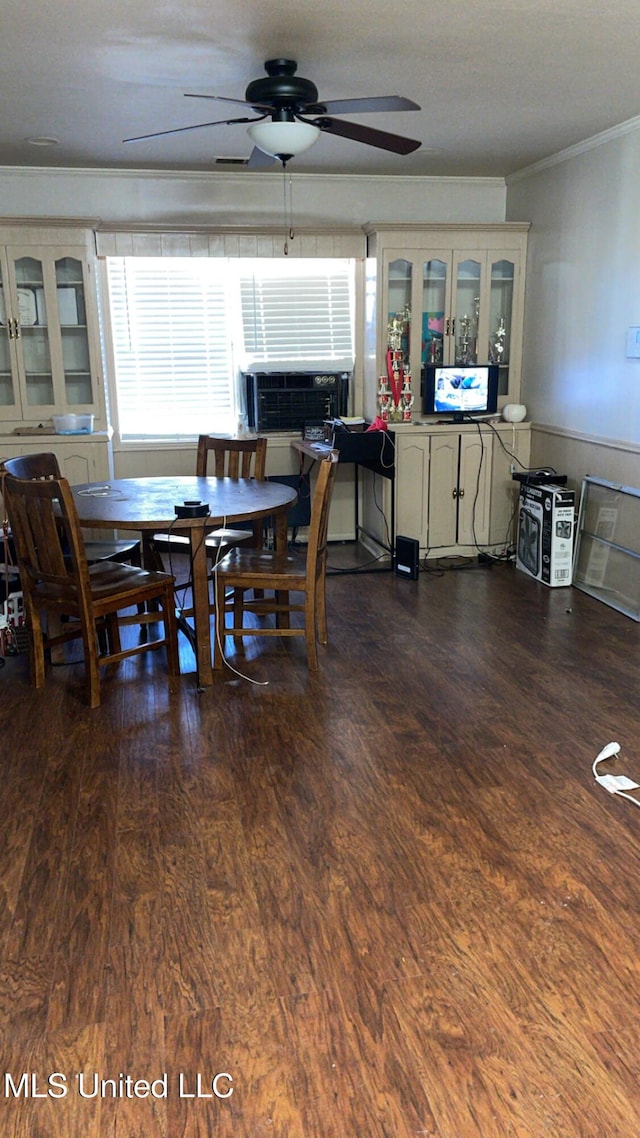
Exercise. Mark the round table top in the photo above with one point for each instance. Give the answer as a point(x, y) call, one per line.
point(149, 503)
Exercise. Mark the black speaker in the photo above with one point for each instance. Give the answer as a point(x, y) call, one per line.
point(407, 558)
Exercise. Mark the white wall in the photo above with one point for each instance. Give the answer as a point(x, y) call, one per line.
point(582, 289)
point(249, 198)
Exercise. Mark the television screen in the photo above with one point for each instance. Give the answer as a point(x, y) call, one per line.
point(460, 391)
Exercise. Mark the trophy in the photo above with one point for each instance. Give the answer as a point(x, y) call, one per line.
point(497, 342)
point(467, 343)
point(394, 392)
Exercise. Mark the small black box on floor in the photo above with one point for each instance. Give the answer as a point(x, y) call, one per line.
point(407, 558)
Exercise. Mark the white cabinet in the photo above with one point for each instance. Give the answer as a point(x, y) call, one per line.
point(458, 497)
point(49, 332)
point(82, 458)
point(413, 452)
point(454, 488)
point(50, 360)
point(458, 293)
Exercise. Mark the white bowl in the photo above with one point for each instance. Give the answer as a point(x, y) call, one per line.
point(73, 424)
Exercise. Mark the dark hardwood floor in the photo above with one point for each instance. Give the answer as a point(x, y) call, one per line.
point(387, 900)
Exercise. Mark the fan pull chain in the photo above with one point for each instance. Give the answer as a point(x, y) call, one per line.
point(289, 232)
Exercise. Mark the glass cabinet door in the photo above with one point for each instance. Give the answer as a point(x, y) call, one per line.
point(33, 332)
point(435, 283)
point(9, 402)
point(467, 311)
point(398, 348)
point(399, 305)
point(72, 316)
point(502, 276)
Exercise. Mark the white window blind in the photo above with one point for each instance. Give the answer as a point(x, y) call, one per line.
point(298, 311)
point(172, 350)
point(182, 329)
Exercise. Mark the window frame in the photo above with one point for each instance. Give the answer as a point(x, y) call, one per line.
point(244, 360)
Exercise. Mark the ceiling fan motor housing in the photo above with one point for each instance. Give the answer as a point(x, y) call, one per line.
point(282, 89)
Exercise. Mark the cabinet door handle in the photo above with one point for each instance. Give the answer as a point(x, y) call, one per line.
point(454, 493)
point(461, 493)
point(16, 329)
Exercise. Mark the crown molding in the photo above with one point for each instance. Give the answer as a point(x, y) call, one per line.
point(235, 176)
point(630, 126)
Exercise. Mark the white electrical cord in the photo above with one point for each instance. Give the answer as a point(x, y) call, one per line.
point(219, 633)
point(614, 783)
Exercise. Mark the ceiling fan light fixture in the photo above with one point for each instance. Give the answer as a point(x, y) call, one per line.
point(283, 140)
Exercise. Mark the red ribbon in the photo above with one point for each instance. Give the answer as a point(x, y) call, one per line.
point(396, 377)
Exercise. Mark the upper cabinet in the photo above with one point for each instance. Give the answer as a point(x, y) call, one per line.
point(49, 340)
point(456, 294)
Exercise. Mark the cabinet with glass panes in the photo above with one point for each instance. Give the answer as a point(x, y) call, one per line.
point(458, 292)
point(49, 341)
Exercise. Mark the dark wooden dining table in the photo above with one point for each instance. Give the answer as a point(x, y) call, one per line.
point(148, 505)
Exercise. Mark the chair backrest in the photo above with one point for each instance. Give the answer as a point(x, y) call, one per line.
point(48, 539)
point(32, 466)
point(317, 542)
point(231, 458)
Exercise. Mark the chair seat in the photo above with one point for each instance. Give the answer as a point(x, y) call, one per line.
point(213, 540)
point(106, 578)
point(111, 550)
point(286, 569)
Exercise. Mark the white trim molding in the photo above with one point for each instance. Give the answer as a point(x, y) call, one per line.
point(630, 126)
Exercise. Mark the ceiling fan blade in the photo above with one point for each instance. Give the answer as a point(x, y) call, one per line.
point(223, 99)
point(196, 126)
point(363, 106)
point(258, 160)
point(396, 143)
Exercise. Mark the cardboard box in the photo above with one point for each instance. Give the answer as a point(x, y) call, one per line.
point(546, 527)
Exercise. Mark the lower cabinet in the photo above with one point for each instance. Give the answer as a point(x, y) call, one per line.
point(454, 489)
point(458, 498)
point(82, 458)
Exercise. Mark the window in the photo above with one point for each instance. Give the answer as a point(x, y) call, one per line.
point(297, 311)
point(184, 328)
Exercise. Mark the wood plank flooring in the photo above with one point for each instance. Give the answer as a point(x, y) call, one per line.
point(383, 901)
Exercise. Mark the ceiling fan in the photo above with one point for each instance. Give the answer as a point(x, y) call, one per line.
point(288, 118)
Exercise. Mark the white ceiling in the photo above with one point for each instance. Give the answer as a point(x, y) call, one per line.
point(501, 83)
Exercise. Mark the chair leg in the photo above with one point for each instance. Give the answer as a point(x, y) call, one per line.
point(321, 611)
point(91, 664)
point(310, 636)
point(283, 619)
point(36, 650)
point(238, 608)
point(151, 559)
point(171, 634)
point(219, 629)
point(113, 633)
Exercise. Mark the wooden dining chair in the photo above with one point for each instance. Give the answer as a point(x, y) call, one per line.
point(280, 572)
point(58, 582)
point(217, 457)
point(46, 465)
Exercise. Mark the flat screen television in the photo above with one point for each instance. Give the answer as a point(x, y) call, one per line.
point(460, 392)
